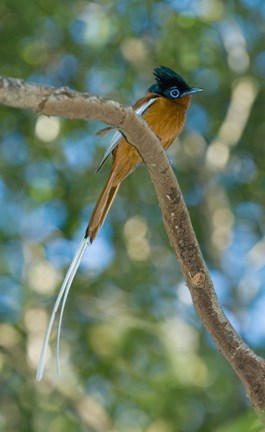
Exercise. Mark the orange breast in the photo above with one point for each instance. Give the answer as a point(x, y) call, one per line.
point(166, 119)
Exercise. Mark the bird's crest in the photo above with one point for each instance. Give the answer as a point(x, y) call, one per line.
point(167, 78)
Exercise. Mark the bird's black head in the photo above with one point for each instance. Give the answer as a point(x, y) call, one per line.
point(170, 84)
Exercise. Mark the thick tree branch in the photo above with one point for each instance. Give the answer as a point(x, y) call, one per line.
point(65, 102)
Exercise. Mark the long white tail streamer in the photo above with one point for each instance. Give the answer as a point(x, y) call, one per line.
point(62, 296)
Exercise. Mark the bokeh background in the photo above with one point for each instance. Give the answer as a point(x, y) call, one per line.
point(135, 356)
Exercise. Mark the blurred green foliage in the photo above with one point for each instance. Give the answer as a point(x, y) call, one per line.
point(135, 356)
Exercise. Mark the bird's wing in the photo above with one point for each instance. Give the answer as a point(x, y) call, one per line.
point(114, 142)
point(117, 137)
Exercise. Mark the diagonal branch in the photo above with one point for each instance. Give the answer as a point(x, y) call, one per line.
point(65, 102)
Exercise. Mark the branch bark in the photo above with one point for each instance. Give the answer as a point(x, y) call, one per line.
point(65, 102)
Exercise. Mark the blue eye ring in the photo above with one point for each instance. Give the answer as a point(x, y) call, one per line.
point(174, 93)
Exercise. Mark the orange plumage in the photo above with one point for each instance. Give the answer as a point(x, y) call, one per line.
point(166, 117)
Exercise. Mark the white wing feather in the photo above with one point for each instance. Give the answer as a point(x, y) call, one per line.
point(118, 136)
point(114, 142)
point(141, 109)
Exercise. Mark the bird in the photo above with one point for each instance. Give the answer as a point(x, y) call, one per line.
point(164, 107)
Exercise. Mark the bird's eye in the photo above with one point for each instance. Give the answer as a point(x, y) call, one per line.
point(174, 93)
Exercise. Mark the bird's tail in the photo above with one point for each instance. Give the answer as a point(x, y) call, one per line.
point(98, 216)
point(61, 298)
point(102, 207)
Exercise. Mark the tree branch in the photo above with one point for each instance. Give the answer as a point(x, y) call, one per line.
point(65, 102)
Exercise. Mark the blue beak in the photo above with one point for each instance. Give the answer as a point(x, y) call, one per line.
point(192, 91)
